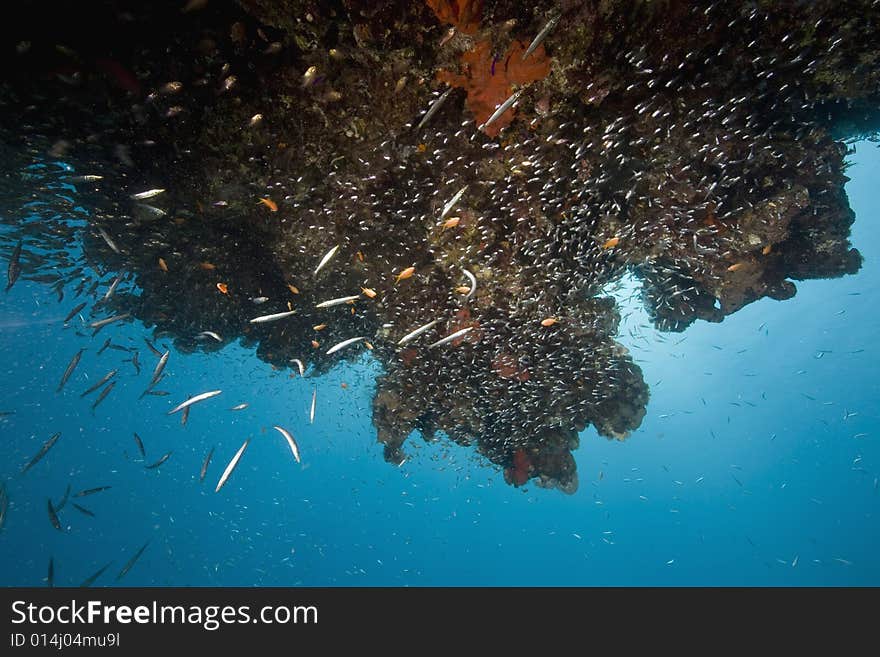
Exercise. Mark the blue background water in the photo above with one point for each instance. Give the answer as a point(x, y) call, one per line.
point(757, 463)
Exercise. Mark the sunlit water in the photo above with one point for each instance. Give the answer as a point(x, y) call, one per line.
point(757, 462)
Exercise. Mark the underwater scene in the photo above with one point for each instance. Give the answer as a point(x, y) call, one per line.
point(440, 293)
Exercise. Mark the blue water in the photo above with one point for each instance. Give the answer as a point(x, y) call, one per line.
point(757, 463)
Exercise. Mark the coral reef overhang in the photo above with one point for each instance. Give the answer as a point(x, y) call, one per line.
point(696, 145)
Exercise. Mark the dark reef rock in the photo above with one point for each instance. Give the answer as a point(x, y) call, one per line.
point(695, 145)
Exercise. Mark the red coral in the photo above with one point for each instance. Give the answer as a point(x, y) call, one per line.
point(489, 82)
point(507, 367)
point(408, 356)
point(464, 14)
point(518, 474)
point(463, 320)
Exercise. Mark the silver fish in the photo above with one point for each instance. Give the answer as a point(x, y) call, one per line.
point(104, 393)
point(104, 380)
point(153, 349)
point(132, 561)
point(231, 466)
point(209, 334)
point(64, 499)
point(101, 323)
point(45, 448)
point(91, 580)
point(338, 302)
point(541, 36)
point(53, 517)
point(157, 372)
point(192, 400)
point(70, 367)
point(312, 411)
point(150, 193)
point(140, 444)
point(432, 110)
point(74, 312)
point(112, 288)
point(299, 364)
point(14, 269)
point(134, 361)
point(455, 199)
point(92, 491)
point(326, 259)
point(450, 338)
point(502, 108)
point(414, 334)
point(343, 344)
point(205, 465)
point(294, 448)
point(162, 460)
point(473, 280)
point(272, 318)
point(154, 211)
point(83, 510)
point(240, 407)
point(107, 239)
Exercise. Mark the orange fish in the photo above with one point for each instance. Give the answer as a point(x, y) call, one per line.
point(269, 203)
point(735, 267)
point(368, 345)
point(421, 148)
point(463, 289)
point(343, 385)
point(767, 249)
point(162, 265)
point(319, 327)
point(610, 244)
point(207, 266)
point(550, 321)
point(360, 256)
point(369, 292)
point(292, 288)
point(452, 222)
point(406, 273)
point(316, 344)
point(223, 288)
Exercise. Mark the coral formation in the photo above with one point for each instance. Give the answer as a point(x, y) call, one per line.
point(696, 145)
point(491, 80)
